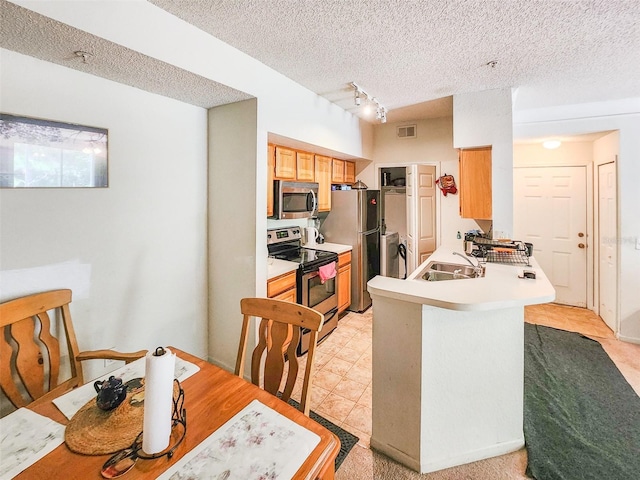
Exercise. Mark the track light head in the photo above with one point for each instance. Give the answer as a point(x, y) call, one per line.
point(369, 101)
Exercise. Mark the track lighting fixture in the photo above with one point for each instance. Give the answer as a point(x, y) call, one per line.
point(369, 103)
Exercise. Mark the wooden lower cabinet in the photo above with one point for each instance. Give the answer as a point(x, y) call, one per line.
point(344, 281)
point(283, 287)
point(288, 296)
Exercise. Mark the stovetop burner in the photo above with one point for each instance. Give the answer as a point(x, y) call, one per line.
point(286, 244)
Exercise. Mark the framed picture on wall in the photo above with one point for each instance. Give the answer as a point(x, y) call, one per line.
point(36, 153)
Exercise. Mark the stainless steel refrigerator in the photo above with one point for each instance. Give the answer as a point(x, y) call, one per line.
point(354, 220)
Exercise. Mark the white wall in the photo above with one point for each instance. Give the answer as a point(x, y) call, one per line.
point(482, 119)
point(567, 154)
point(141, 241)
point(284, 108)
point(433, 145)
point(233, 234)
point(598, 117)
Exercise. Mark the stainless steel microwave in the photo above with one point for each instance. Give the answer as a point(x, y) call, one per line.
point(295, 199)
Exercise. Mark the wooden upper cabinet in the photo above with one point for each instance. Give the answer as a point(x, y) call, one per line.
point(349, 172)
point(323, 177)
point(475, 183)
point(337, 171)
point(271, 162)
point(305, 167)
point(285, 168)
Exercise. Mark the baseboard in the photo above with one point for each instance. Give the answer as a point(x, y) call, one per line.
point(623, 338)
point(394, 453)
point(441, 464)
point(221, 365)
point(473, 456)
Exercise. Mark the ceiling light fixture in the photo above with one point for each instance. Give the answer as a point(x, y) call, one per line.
point(370, 102)
point(551, 144)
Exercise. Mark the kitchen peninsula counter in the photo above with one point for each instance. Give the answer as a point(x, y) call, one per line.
point(448, 363)
point(499, 288)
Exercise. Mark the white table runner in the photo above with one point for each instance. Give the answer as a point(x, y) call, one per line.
point(257, 443)
point(71, 402)
point(26, 437)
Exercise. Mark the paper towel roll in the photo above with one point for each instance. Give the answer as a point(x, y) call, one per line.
point(158, 400)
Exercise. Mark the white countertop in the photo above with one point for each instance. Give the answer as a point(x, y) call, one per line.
point(499, 288)
point(277, 267)
point(331, 247)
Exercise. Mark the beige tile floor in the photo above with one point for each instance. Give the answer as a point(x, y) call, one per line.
point(342, 383)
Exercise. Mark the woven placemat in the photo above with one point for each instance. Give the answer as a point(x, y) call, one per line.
point(93, 431)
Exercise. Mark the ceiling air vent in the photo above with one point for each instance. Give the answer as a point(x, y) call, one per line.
point(407, 131)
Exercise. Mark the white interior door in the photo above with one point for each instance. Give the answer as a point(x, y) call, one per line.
point(607, 234)
point(425, 201)
point(550, 211)
point(411, 220)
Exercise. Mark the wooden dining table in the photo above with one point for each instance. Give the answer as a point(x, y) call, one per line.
point(212, 397)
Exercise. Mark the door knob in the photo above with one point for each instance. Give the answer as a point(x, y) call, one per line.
point(581, 245)
point(581, 234)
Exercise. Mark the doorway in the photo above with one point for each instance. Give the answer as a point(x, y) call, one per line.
point(607, 245)
point(550, 211)
point(408, 194)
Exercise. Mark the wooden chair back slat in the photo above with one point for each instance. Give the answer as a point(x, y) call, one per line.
point(29, 359)
point(30, 353)
point(53, 348)
point(274, 356)
point(7, 384)
point(293, 365)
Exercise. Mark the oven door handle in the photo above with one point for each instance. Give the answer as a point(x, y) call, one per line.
point(333, 312)
point(327, 318)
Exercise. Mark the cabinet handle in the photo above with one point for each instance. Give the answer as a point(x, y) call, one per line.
point(581, 245)
point(581, 234)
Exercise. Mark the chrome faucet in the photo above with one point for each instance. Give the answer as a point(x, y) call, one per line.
point(479, 269)
point(467, 259)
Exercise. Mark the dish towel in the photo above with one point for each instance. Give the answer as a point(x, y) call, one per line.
point(327, 271)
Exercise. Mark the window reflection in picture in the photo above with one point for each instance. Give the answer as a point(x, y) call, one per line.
point(38, 153)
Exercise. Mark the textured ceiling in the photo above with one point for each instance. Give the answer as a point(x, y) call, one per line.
point(32, 34)
point(412, 55)
point(412, 51)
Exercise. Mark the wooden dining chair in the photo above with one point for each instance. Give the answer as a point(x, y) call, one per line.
point(278, 337)
point(30, 354)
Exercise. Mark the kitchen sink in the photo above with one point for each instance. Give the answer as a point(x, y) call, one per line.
point(439, 271)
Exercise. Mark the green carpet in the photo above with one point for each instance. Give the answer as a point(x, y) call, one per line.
point(581, 417)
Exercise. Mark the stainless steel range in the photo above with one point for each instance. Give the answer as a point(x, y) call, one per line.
point(286, 244)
